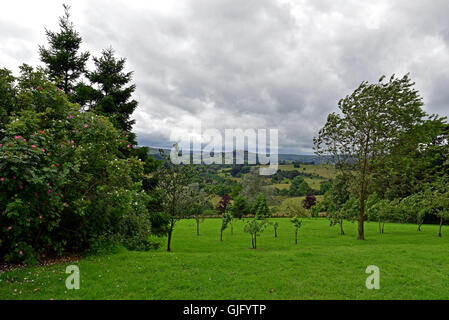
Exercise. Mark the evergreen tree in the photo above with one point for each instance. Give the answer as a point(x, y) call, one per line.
point(113, 96)
point(64, 63)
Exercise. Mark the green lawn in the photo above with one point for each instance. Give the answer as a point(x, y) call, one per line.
point(324, 265)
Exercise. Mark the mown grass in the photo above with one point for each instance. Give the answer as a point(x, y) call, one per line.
point(324, 265)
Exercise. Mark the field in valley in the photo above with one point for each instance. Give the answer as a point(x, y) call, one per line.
point(324, 265)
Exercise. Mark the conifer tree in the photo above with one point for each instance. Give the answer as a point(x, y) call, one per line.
point(64, 64)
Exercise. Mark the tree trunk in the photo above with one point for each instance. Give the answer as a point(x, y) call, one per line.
point(441, 225)
point(361, 227)
point(255, 241)
point(252, 241)
point(296, 236)
point(221, 235)
point(380, 229)
point(419, 225)
point(197, 227)
point(342, 232)
point(383, 227)
point(275, 232)
point(169, 239)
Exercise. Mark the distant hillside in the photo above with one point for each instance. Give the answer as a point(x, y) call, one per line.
point(282, 157)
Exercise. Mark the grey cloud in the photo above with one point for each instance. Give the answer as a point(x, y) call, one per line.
point(264, 63)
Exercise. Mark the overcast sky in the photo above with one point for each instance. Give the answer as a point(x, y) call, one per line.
point(247, 63)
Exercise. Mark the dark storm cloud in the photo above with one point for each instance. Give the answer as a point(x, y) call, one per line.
point(259, 63)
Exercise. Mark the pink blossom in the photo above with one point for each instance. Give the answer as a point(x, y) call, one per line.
point(17, 137)
point(43, 150)
point(48, 184)
point(40, 217)
point(1, 144)
point(9, 228)
point(86, 125)
point(73, 141)
point(128, 146)
point(21, 252)
point(57, 164)
point(20, 187)
point(24, 140)
point(2, 179)
point(70, 117)
point(33, 146)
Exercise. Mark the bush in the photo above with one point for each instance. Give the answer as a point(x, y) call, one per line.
point(65, 180)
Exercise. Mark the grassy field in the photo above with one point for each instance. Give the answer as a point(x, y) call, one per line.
point(324, 265)
point(324, 170)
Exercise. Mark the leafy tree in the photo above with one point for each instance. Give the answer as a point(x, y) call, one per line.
point(436, 198)
point(255, 227)
point(414, 209)
point(240, 208)
point(64, 63)
point(294, 208)
point(225, 221)
point(173, 182)
point(199, 204)
point(372, 122)
point(325, 187)
point(309, 201)
point(236, 190)
point(223, 204)
point(297, 223)
point(260, 207)
point(381, 210)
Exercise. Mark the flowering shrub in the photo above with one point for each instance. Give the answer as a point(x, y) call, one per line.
point(64, 177)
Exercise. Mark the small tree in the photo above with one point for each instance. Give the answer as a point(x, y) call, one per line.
point(275, 225)
point(199, 204)
point(297, 223)
point(240, 207)
point(225, 221)
point(223, 204)
point(436, 198)
point(255, 227)
point(294, 208)
point(176, 201)
point(309, 201)
point(260, 207)
point(412, 208)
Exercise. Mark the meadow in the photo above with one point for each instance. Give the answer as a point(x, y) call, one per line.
point(324, 265)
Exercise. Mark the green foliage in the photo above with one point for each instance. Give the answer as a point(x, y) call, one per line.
point(299, 187)
point(63, 178)
point(254, 227)
point(297, 223)
point(113, 98)
point(241, 207)
point(260, 208)
point(294, 208)
point(373, 121)
point(64, 64)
